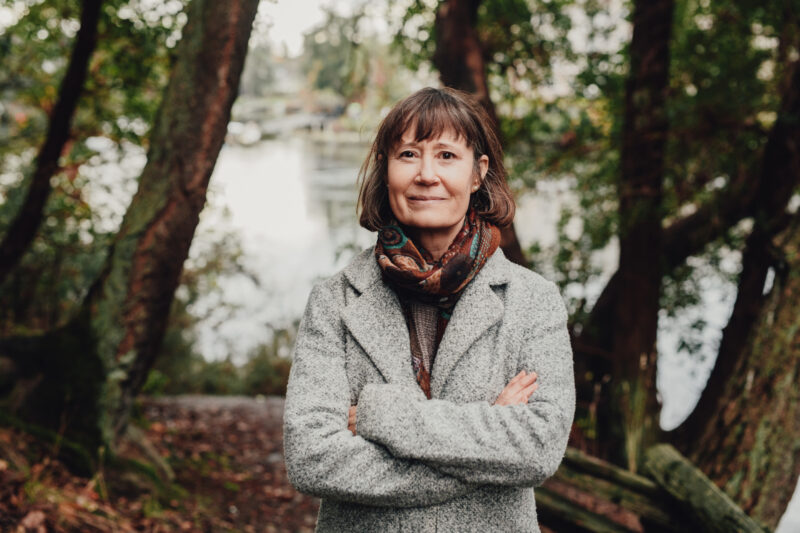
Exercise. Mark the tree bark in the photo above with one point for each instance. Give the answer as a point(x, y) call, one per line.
point(751, 449)
point(459, 55)
point(145, 263)
point(633, 383)
point(459, 58)
point(23, 228)
point(108, 349)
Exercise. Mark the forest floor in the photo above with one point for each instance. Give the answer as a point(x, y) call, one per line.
point(227, 456)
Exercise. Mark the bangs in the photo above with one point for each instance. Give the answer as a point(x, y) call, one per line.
point(431, 115)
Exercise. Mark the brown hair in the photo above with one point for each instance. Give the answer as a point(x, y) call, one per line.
point(434, 111)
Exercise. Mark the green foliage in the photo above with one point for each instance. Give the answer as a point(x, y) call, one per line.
point(64, 259)
point(267, 371)
point(126, 77)
point(185, 372)
point(350, 68)
point(725, 79)
point(334, 56)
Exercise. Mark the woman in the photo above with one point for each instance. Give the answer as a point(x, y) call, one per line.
point(410, 404)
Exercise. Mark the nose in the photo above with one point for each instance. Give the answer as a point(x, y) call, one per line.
point(427, 171)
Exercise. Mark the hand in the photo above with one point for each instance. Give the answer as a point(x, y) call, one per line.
point(518, 390)
point(351, 419)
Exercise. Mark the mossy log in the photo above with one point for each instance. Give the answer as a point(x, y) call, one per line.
point(635, 493)
point(620, 500)
point(588, 494)
point(713, 509)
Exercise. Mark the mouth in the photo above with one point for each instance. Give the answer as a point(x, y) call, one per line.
point(423, 198)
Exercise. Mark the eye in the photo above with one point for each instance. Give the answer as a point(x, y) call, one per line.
point(448, 155)
point(405, 154)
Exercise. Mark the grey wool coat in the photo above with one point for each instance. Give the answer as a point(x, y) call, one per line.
point(454, 462)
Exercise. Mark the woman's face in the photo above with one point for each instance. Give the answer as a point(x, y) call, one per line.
point(430, 182)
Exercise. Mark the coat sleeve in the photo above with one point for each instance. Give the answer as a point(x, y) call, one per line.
point(323, 458)
point(520, 445)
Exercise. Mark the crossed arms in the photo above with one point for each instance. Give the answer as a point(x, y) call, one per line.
point(411, 451)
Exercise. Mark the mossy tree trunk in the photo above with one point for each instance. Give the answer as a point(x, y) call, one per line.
point(780, 175)
point(744, 431)
point(762, 193)
point(80, 380)
point(750, 444)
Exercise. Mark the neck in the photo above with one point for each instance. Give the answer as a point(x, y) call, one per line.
point(436, 242)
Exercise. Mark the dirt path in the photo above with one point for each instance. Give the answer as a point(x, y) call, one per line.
point(228, 452)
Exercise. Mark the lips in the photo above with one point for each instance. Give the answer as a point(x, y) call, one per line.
point(421, 198)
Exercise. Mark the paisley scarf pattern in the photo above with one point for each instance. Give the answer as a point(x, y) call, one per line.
point(414, 275)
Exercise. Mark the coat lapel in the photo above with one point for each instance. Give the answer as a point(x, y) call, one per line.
point(376, 321)
point(478, 309)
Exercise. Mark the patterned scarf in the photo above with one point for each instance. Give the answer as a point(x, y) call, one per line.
point(414, 275)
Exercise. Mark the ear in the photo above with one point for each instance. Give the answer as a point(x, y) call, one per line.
point(483, 168)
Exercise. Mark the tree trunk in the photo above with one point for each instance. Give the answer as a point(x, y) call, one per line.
point(761, 194)
point(23, 228)
point(635, 409)
point(82, 378)
point(780, 175)
point(749, 447)
point(459, 58)
point(748, 419)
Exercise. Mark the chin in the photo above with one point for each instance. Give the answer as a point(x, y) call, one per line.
point(431, 222)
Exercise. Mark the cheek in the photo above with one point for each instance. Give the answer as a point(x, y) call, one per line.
point(461, 187)
point(395, 186)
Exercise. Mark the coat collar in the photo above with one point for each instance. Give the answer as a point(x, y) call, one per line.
point(376, 320)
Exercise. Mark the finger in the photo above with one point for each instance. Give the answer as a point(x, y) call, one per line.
point(523, 377)
point(512, 389)
point(528, 392)
point(516, 378)
point(531, 384)
point(527, 380)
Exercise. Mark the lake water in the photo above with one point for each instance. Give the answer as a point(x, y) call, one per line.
point(291, 202)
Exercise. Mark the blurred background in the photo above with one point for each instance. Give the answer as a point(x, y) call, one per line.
point(652, 148)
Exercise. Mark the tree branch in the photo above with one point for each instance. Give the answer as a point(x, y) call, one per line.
point(22, 230)
point(759, 195)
